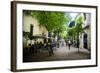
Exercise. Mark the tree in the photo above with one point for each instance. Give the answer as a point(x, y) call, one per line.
point(79, 29)
point(79, 22)
point(76, 30)
point(52, 20)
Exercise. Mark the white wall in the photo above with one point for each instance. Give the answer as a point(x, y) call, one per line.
point(5, 37)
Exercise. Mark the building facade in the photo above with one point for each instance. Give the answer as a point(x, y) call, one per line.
point(85, 38)
point(31, 24)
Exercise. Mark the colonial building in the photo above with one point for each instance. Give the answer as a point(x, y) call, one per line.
point(85, 38)
point(31, 25)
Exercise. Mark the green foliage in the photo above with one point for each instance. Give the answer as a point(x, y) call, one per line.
point(63, 34)
point(53, 21)
point(79, 22)
point(75, 31)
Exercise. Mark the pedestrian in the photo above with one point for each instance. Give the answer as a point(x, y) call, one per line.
point(50, 48)
point(66, 42)
point(29, 48)
point(33, 50)
point(69, 43)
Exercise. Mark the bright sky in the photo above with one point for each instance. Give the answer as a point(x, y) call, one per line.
point(73, 15)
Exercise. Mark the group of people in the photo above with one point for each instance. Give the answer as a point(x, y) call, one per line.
point(65, 43)
point(47, 45)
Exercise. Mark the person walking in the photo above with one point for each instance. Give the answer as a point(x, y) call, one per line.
point(66, 42)
point(69, 43)
point(50, 48)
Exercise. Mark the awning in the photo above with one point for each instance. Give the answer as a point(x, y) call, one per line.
point(40, 37)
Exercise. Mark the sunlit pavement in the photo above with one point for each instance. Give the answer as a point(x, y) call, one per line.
point(66, 50)
point(62, 53)
point(72, 53)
